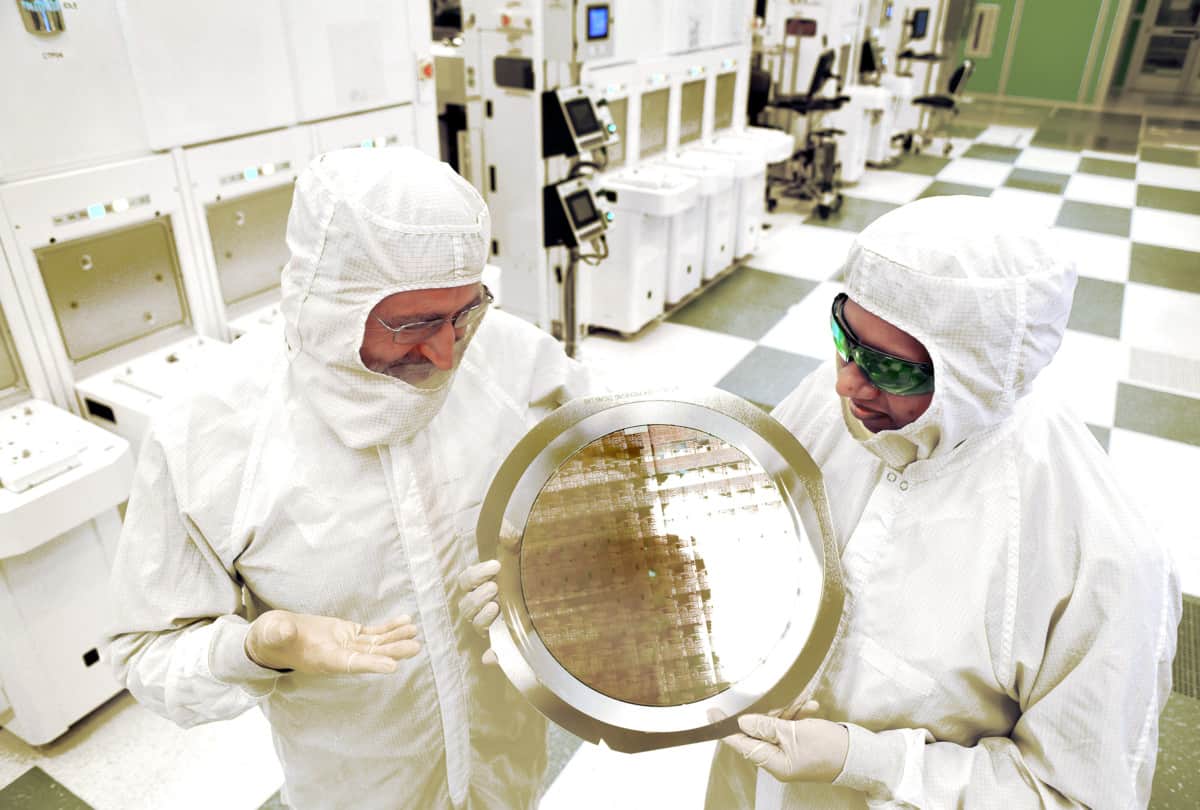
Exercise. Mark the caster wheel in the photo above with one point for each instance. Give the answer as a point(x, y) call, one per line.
point(823, 211)
point(908, 143)
point(946, 150)
point(837, 203)
point(771, 204)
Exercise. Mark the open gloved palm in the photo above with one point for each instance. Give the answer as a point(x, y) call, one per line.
point(280, 639)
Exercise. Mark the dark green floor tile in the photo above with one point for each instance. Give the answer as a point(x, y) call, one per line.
point(1169, 199)
point(988, 151)
point(746, 303)
point(36, 790)
point(1092, 217)
point(855, 214)
point(1185, 669)
point(965, 129)
point(940, 189)
point(1101, 433)
point(1097, 307)
point(1096, 119)
point(1177, 772)
point(1078, 141)
point(1033, 180)
point(1165, 267)
point(1175, 157)
point(766, 375)
point(274, 803)
point(922, 164)
point(1157, 413)
point(1108, 168)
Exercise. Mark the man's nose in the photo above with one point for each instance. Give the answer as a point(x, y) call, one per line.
point(439, 349)
point(853, 383)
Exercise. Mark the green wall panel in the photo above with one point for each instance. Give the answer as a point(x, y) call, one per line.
point(1052, 48)
point(986, 78)
point(1106, 42)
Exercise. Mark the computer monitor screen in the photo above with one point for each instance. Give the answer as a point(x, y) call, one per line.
point(583, 117)
point(920, 23)
point(597, 22)
point(691, 118)
point(583, 213)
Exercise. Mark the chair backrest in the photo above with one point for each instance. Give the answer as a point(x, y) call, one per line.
point(760, 92)
point(867, 63)
point(822, 73)
point(958, 79)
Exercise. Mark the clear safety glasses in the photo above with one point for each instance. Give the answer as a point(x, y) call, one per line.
point(464, 319)
point(886, 372)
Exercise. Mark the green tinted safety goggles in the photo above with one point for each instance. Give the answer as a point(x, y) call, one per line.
point(885, 371)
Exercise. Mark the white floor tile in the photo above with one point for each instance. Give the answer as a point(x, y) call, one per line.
point(1097, 255)
point(1092, 153)
point(1162, 320)
point(1058, 161)
point(1166, 228)
point(1031, 206)
point(601, 779)
point(1160, 475)
point(889, 186)
point(998, 135)
point(1162, 174)
point(805, 327)
point(666, 355)
point(123, 756)
point(803, 251)
point(975, 172)
point(1084, 374)
point(1095, 188)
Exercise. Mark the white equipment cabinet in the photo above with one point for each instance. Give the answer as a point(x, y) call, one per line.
point(629, 289)
point(714, 176)
point(104, 261)
point(750, 185)
point(69, 99)
point(242, 192)
point(61, 479)
point(208, 69)
point(394, 126)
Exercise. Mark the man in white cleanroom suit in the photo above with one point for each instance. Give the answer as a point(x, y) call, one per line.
point(334, 477)
point(1010, 618)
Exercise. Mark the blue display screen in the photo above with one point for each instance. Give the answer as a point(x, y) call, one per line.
point(597, 21)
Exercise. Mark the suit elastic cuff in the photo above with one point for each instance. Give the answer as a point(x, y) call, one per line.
point(874, 762)
point(228, 662)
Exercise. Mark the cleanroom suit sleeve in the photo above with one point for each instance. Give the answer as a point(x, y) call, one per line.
point(1090, 686)
point(558, 379)
point(177, 641)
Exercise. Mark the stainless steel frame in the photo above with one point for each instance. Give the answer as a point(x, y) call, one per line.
point(788, 670)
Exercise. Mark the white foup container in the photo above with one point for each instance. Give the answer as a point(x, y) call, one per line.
point(715, 176)
point(630, 288)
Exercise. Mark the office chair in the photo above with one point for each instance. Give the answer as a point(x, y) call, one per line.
point(814, 171)
point(942, 108)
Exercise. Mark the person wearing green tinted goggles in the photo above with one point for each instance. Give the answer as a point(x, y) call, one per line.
point(885, 373)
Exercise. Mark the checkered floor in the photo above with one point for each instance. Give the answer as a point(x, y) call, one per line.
point(1130, 362)
point(1119, 189)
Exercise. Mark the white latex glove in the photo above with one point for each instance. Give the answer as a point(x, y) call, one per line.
point(479, 605)
point(792, 750)
point(280, 639)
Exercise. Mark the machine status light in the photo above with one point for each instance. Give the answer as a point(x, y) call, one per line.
point(728, 63)
point(612, 127)
point(696, 71)
point(95, 211)
point(505, 20)
point(250, 173)
point(608, 216)
point(120, 205)
point(657, 77)
point(268, 169)
point(368, 143)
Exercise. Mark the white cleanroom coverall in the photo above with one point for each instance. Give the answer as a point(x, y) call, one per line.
point(323, 488)
point(1010, 618)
